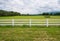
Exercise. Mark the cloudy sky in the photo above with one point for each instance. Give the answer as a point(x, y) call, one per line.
point(30, 6)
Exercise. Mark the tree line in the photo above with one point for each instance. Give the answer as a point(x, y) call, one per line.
point(8, 13)
point(11, 13)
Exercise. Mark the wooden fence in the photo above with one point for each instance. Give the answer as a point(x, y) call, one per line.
point(30, 22)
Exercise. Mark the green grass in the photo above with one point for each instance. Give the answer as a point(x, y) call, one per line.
point(27, 17)
point(25, 33)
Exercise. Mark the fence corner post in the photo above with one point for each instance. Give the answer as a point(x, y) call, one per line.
point(47, 24)
point(12, 22)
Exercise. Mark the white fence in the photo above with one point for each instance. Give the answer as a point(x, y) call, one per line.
point(30, 22)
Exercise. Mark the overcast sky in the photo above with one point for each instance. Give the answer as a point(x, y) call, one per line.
point(30, 6)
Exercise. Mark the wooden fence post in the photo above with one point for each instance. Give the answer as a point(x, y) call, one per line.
point(12, 22)
point(47, 24)
point(30, 22)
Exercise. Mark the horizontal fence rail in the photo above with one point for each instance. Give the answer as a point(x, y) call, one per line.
point(30, 22)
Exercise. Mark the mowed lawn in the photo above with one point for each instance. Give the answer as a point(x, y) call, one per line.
point(28, 17)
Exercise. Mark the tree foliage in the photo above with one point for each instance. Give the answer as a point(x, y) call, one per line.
point(9, 13)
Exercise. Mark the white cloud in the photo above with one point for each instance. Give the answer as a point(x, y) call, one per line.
point(30, 6)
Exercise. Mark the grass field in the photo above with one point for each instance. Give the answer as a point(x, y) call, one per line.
point(26, 33)
point(28, 17)
point(35, 33)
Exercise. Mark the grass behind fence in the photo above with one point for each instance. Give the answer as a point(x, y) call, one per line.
point(28, 17)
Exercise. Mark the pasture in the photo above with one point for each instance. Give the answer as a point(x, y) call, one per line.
point(28, 17)
point(26, 33)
